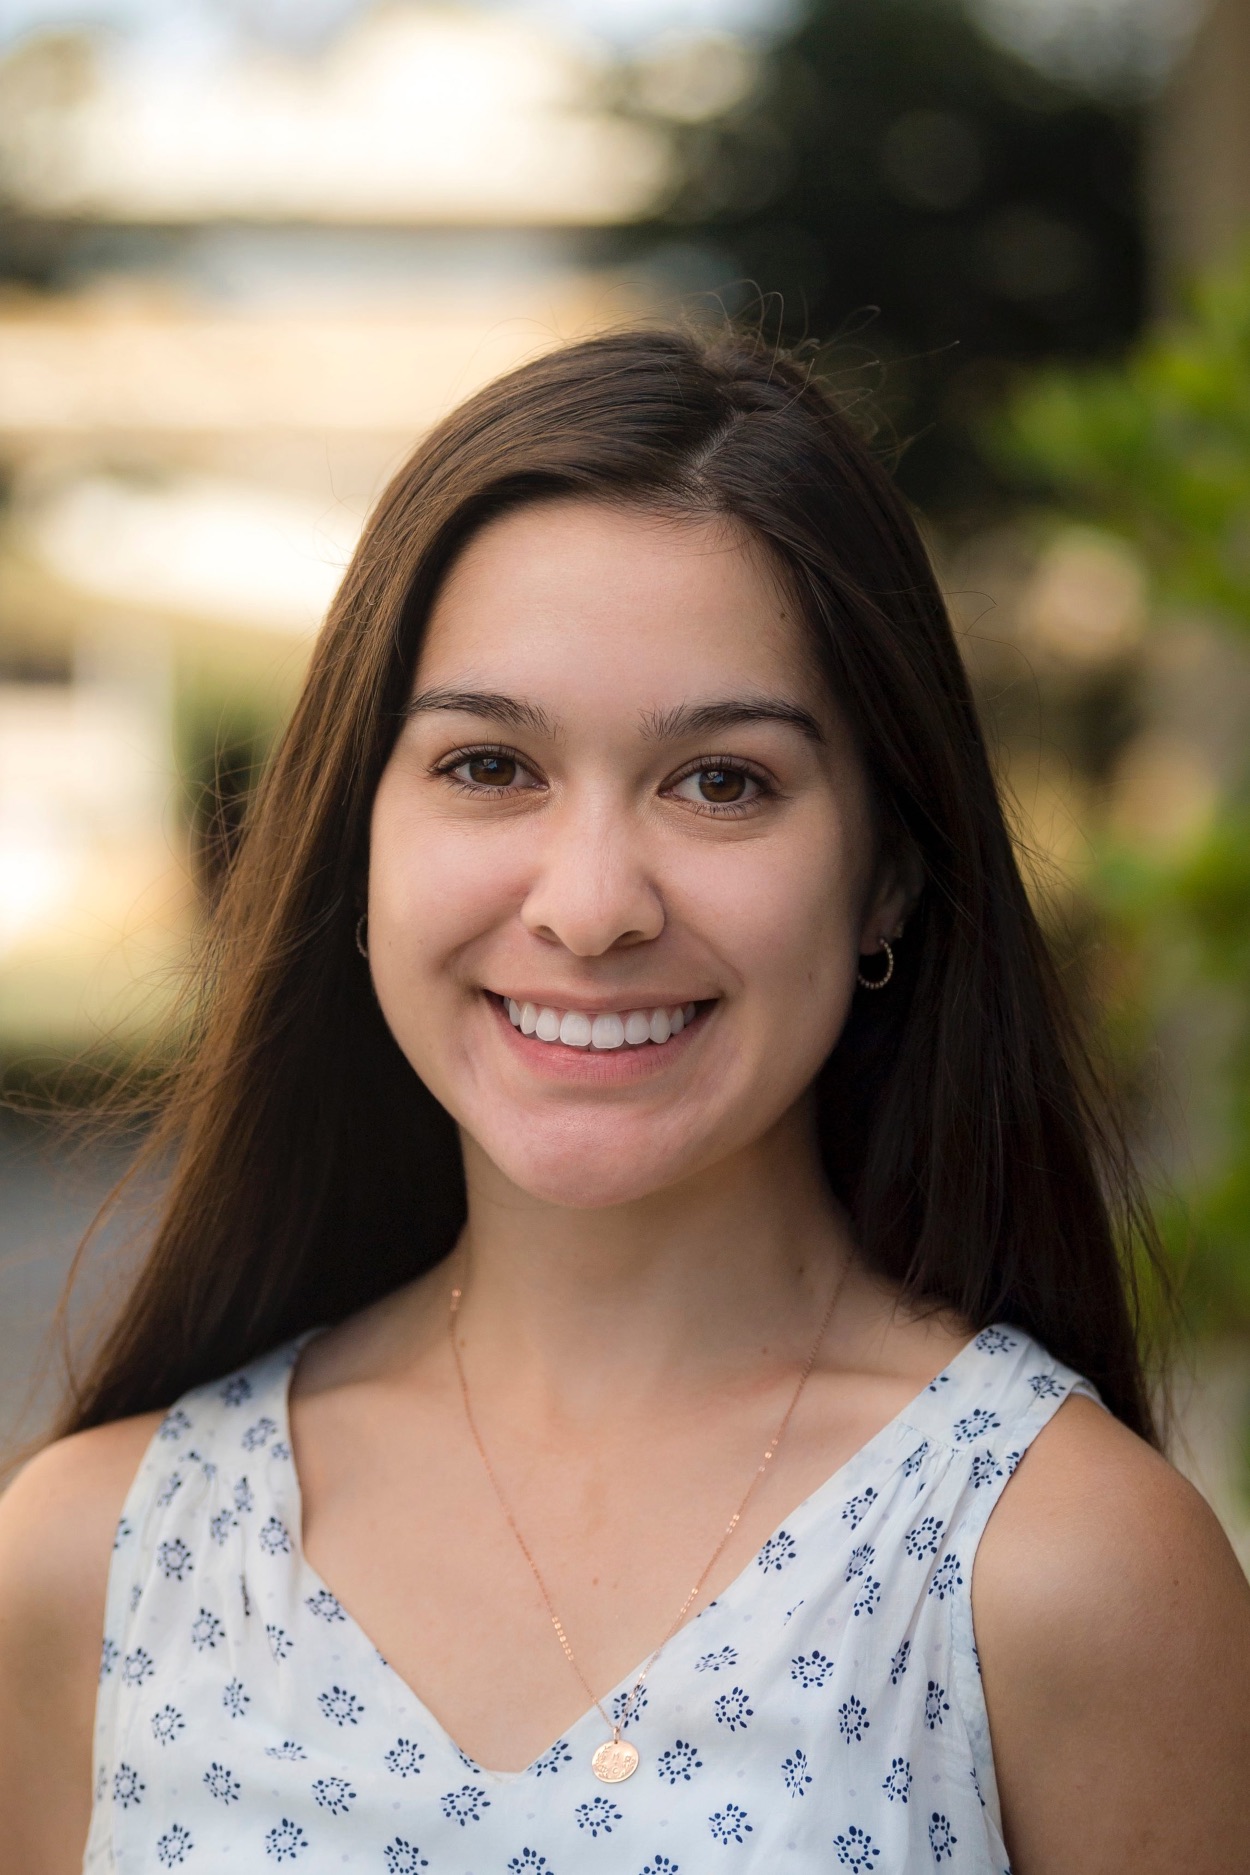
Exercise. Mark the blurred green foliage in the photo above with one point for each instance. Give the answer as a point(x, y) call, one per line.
point(1158, 450)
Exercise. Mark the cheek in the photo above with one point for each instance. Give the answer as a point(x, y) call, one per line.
point(433, 894)
point(797, 936)
point(432, 889)
point(784, 913)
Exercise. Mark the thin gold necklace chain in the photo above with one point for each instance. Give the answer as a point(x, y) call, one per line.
point(627, 1706)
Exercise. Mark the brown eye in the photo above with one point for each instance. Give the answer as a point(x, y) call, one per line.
point(491, 771)
point(718, 784)
point(722, 785)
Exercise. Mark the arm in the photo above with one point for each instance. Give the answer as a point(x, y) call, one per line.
point(1113, 1626)
point(57, 1522)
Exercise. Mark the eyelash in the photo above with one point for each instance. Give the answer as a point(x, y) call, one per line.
point(725, 810)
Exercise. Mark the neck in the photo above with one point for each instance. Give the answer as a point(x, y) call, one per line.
point(676, 1292)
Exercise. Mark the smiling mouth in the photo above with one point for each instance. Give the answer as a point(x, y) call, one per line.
point(603, 1030)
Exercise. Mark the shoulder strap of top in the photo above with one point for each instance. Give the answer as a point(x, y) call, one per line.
point(1000, 1389)
point(986, 1409)
point(198, 1434)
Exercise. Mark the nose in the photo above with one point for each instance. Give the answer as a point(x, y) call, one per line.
point(592, 889)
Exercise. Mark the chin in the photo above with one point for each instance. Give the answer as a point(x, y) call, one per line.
point(584, 1175)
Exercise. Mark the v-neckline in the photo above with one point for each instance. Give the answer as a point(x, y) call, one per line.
point(806, 1511)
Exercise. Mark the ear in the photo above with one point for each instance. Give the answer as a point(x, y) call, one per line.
point(897, 884)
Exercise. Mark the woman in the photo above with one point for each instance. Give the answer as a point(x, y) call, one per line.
point(636, 1240)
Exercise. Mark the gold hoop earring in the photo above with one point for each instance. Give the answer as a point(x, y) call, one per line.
point(362, 935)
point(878, 983)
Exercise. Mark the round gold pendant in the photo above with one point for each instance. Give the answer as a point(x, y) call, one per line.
point(615, 1760)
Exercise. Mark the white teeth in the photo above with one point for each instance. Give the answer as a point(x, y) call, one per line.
point(637, 1027)
point(575, 1029)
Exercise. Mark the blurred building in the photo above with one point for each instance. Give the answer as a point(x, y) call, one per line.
point(236, 287)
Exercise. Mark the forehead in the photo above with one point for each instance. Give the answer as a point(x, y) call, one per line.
point(578, 595)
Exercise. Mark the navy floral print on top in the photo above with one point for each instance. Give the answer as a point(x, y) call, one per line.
point(824, 1713)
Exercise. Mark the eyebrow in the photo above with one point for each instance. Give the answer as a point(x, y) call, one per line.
point(697, 719)
point(686, 719)
point(513, 712)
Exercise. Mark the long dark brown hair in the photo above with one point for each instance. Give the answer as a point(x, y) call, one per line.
point(309, 1171)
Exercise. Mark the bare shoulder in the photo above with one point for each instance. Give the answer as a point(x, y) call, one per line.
point(1113, 1627)
point(58, 1519)
point(59, 1515)
point(1097, 1526)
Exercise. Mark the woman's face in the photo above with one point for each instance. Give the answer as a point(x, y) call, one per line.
point(622, 808)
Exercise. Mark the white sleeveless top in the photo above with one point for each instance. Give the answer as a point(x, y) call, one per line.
point(824, 1713)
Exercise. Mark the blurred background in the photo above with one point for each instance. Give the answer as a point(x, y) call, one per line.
point(251, 249)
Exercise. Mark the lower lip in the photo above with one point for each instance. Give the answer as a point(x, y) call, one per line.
point(599, 1067)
